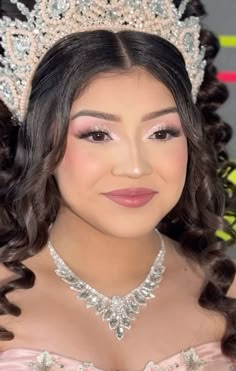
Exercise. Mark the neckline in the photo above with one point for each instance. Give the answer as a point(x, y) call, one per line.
point(38, 351)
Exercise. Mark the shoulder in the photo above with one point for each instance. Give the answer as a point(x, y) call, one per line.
point(232, 290)
point(5, 320)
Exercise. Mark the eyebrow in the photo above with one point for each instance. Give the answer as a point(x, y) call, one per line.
point(111, 117)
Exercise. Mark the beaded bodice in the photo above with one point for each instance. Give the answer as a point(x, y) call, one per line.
point(204, 357)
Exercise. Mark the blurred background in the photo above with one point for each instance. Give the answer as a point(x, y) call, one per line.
point(221, 19)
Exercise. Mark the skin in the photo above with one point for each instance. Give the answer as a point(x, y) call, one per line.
point(125, 244)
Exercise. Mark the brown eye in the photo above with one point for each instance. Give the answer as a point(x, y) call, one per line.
point(163, 134)
point(98, 136)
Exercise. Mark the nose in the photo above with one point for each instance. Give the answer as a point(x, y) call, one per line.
point(132, 161)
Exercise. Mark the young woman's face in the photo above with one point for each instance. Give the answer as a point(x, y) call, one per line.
point(129, 146)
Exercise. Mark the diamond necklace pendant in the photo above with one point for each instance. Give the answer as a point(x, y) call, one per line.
point(118, 311)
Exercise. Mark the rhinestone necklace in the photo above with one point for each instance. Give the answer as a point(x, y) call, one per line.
point(118, 311)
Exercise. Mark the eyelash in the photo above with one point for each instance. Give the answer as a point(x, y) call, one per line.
point(169, 130)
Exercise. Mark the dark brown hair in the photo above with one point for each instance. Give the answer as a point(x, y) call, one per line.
point(29, 194)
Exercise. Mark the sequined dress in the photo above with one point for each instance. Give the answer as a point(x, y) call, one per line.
point(204, 357)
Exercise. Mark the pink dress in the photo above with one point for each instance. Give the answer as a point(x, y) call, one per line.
point(204, 357)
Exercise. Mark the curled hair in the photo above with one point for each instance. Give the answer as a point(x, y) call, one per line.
point(29, 203)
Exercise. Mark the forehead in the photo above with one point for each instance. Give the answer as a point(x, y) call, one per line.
point(136, 89)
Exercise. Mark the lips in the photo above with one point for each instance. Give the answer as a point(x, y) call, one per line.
point(131, 197)
point(131, 192)
point(131, 201)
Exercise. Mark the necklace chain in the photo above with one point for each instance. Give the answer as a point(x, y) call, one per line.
point(118, 311)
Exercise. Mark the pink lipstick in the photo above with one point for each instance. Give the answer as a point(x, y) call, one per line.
point(131, 197)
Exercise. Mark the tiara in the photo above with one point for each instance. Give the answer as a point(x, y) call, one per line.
point(25, 43)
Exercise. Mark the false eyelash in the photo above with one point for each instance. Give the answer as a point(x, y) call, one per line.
point(88, 133)
point(169, 130)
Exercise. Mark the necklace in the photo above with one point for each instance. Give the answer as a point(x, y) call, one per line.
point(118, 311)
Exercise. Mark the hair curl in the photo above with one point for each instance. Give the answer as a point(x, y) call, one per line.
point(29, 203)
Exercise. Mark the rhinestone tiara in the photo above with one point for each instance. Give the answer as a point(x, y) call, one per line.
point(26, 42)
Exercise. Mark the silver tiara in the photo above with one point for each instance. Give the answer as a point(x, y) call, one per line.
point(26, 42)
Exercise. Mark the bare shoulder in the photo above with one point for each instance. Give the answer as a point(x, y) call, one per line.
point(5, 321)
point(232, 290)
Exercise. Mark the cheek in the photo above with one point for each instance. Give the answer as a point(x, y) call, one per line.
point(79, 166)
point(179, 158)
point(174, 159)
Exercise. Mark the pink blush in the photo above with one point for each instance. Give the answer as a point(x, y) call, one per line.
point(80, 125)
point(78, 159)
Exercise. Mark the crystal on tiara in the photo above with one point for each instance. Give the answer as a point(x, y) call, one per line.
point(24, 43)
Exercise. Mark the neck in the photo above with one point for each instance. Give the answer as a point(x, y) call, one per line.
point(107, 262)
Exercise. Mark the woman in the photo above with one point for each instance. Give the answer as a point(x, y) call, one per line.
point(111, 111)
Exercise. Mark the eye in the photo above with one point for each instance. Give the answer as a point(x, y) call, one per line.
point(97, 135)
point(163, 134)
